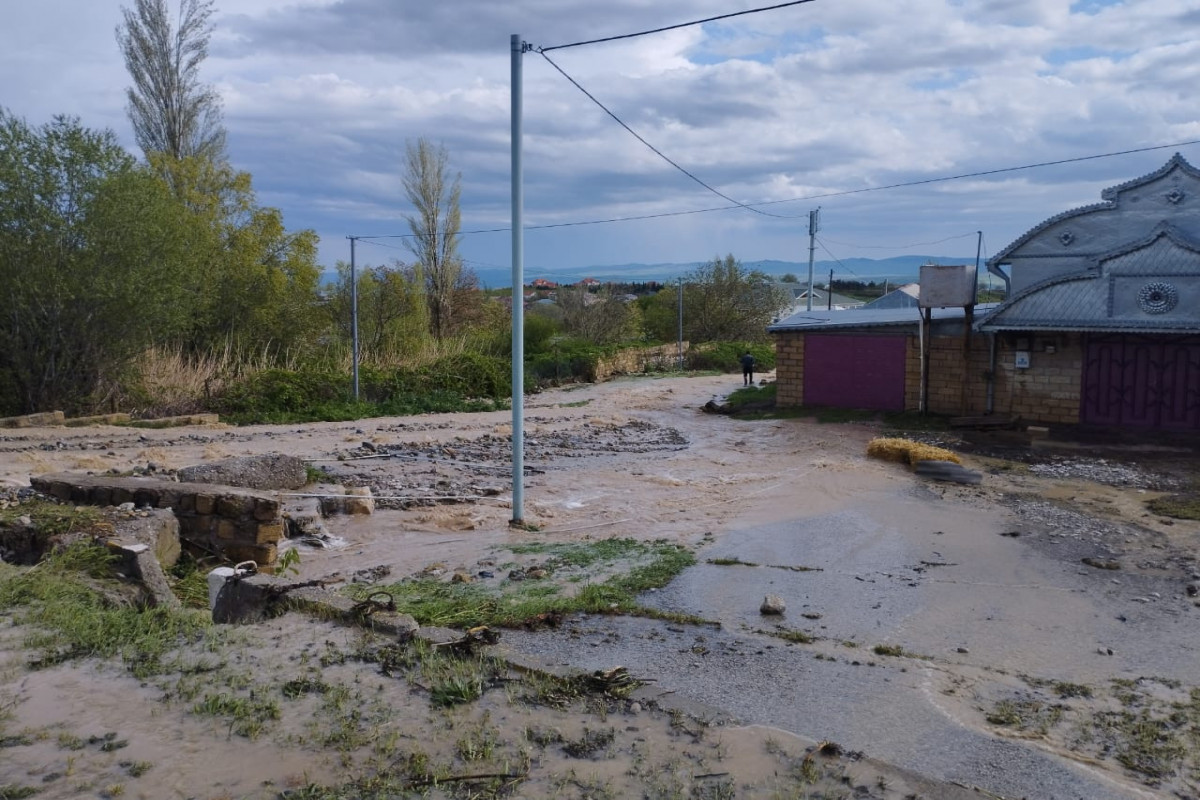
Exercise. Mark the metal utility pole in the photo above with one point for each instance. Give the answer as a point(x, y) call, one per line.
point(518, 49)
point(814, 224)
point(354, 313)
point(829, 293)
point(680, 324)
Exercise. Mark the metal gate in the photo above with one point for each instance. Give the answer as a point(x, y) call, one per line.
point(1144, 381)
point(854, 371)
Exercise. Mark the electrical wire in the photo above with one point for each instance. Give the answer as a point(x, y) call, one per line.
point(654, 149)
point(903, 246)
point(544, 50)
point(835, 258)
point(664, 214)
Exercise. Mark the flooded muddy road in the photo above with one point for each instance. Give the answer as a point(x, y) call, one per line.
point(1032, 636)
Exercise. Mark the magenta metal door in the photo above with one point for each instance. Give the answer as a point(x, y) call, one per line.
point(1143, 381)
point(854, 371)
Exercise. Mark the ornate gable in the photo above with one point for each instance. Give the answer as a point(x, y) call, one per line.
point(1148, 286)
point(1069, 242)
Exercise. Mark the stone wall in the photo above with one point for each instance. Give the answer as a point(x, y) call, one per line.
point(237, 524)
point(635, 360)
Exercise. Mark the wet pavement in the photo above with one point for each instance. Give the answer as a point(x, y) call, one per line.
point(900, 566)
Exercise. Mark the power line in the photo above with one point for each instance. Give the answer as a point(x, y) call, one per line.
point(544, 50)
point(982, 173)
point(902, 246)
point(835, 258)
point(654, 149)
point(661, 215)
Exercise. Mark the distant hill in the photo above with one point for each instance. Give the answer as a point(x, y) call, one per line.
point(896, 269)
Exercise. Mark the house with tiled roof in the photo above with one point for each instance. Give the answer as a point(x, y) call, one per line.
point(1101, 325)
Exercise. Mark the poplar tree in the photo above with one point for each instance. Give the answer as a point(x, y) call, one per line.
point(435, 195)
point(172, 111)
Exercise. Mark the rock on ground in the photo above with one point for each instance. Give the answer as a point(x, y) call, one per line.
point(271, 471)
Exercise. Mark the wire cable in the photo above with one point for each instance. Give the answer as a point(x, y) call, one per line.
point(654, 149)
point(902, 246)
point(673, 27)
point(664, 214)
point(835, 258)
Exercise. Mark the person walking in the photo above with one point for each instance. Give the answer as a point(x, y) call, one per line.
point(747, 369)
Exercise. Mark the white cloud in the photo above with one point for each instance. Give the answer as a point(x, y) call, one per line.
point(320, 98)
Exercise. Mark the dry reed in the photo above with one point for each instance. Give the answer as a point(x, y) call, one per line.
point(908, 452)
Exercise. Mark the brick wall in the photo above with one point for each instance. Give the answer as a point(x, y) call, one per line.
point(1048, 391)
point(789, 369)
point(238, 524)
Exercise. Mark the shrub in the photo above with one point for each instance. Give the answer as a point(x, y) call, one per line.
point(461, 382)
point(726, 356)
point(567, 361)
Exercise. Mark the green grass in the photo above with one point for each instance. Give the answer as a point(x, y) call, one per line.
point(639, 566)
point(73, 618)
point(54, 519)
point(1179, 506)
point(790, 635)
point(248, 716)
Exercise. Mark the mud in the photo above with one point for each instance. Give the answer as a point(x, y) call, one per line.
point(983, 589)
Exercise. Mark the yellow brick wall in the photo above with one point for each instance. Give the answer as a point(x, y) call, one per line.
point(789, 369)
point(1048, 391)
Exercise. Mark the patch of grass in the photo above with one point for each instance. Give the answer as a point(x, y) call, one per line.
point(1178, 506)
point(432, 602)
point(790, 635)
point(13, 791)
point(189, 582)
point(591, 742)
point(888, 650)
point(1142, 742)
point(317, 475)
point(65, 598)
point(55, 519)
point(1067, 689)
point(247, 716)
point(1025, 715)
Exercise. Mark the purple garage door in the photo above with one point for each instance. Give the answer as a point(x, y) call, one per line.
point(1145, 381)
point(854, 371)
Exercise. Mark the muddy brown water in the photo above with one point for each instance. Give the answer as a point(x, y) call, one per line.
point(887, 558)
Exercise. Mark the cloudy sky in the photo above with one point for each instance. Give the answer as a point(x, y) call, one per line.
point(822, 98)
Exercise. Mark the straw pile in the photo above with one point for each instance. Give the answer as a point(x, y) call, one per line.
point(908, 452)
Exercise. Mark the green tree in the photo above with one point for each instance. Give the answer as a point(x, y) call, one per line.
point(253, 283)
point(171, 110)
point(725, 302)
point(87, 260)
point(391, 314)
point(597, 317)
point(435, 226)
